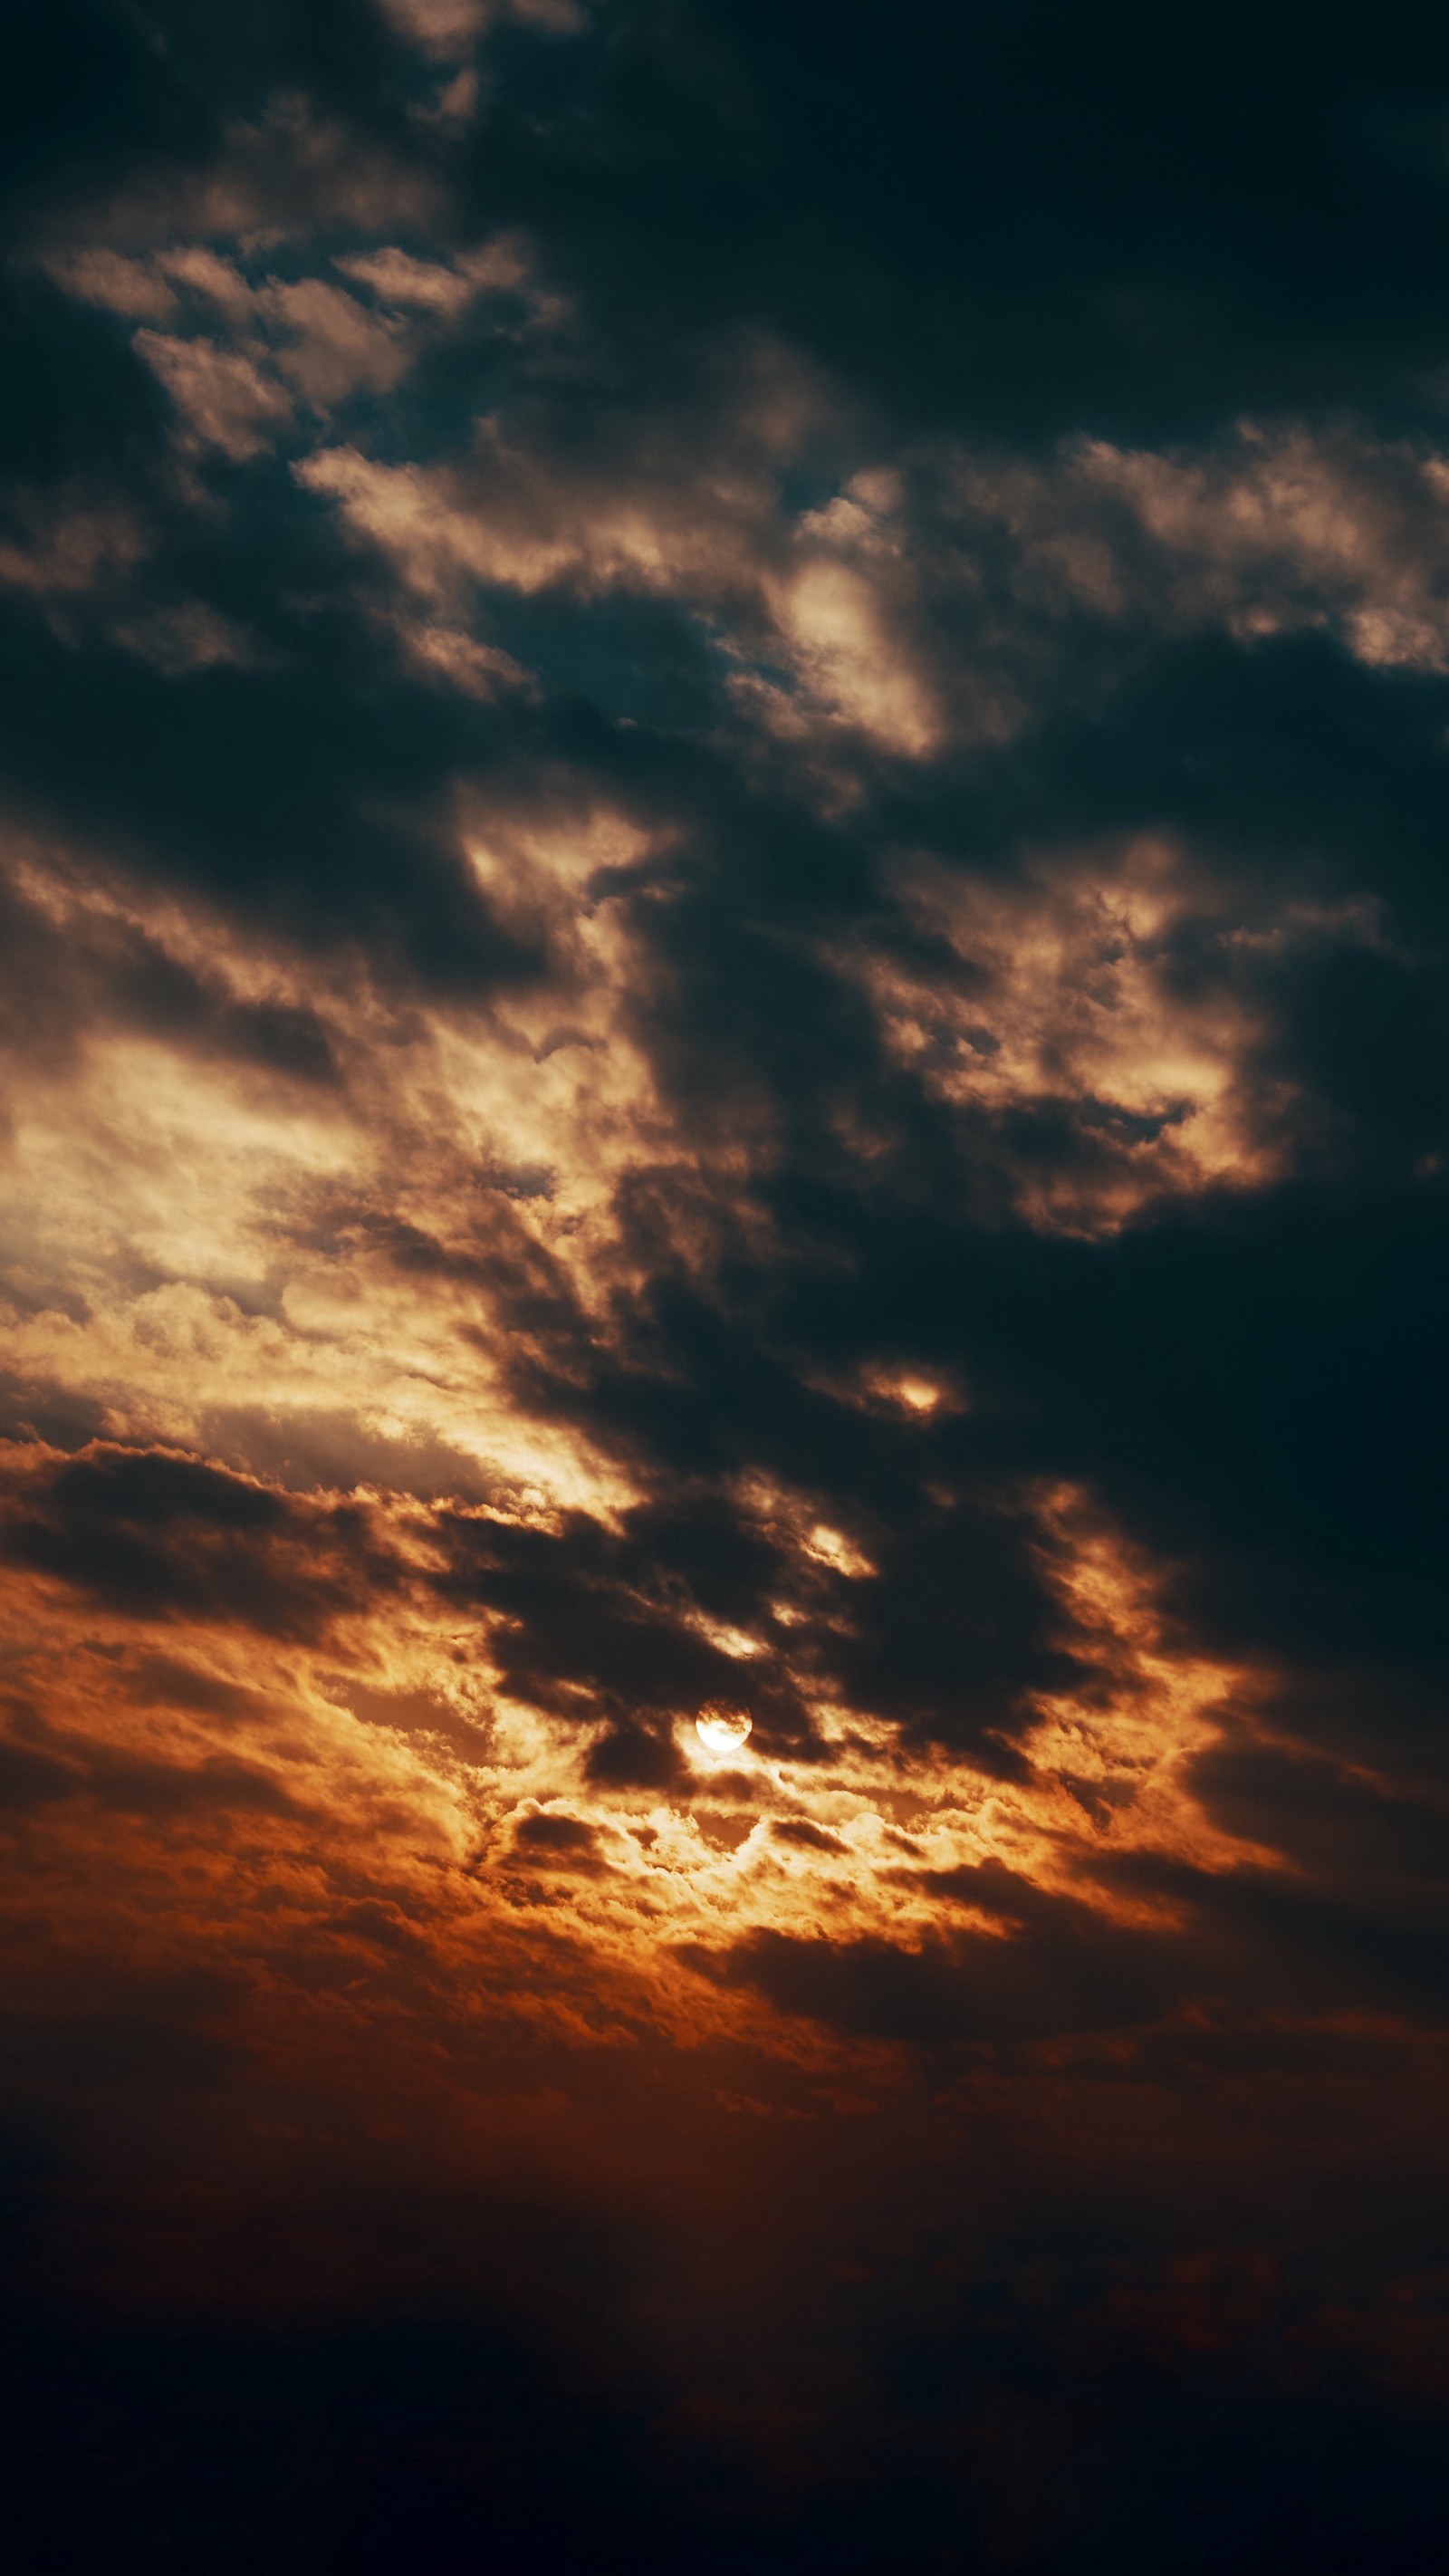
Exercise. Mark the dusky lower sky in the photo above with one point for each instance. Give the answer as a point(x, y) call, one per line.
point(723, 955)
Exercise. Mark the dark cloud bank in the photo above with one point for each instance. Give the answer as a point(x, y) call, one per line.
point(963, 494)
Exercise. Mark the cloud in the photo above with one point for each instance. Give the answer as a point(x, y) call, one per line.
point(221, 394)
point(450, 28)
point(1099, 1022)
point(1272, 530)
point(75, 551)
point(158, 1533)
point(722, 943)
point(833, 607)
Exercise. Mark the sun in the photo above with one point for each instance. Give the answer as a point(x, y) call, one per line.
point(722, 1730)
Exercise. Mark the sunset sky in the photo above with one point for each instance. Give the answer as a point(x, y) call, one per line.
point(724, 939)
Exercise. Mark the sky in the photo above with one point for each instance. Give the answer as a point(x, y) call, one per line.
point(723, 957)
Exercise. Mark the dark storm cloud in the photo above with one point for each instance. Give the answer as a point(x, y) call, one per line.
point(577, 1614)
point(1004, 294)
point(1261, 1397)
point(1225, 1380)
point(1011, 218)
point(950, 1636)
point(61, 983)
point(264, 795)
point(977, 1991)
point(277, 783)
point(1013, 215)
point(557, 1842)
point(155, 1534)
point(1252, 1951)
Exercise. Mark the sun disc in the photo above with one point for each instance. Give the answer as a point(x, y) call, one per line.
point(722, 1730)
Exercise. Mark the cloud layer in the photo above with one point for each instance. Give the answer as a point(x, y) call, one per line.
point(722, 960)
